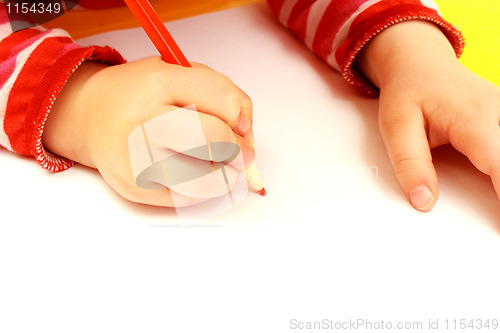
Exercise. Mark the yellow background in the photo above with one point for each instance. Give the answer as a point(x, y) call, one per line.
point(478, 20)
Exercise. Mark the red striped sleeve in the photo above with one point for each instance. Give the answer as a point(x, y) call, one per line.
point(337, 30)
point(298, 18)
point(34, 66)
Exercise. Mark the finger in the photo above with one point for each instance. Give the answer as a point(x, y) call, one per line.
point(243, 123)
point(187, 152)
point(180, 180)
point(155, 193)
point(183, 131)
point(203, 179)
point(479, 140)
point(186, 194)
point(495, 178)
point(216, 131)
point(189, 177)
point(403, 131)
point(159, 197)
point(210, 92)
point(198, 171)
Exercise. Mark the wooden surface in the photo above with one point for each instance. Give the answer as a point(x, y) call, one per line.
point(83, 23)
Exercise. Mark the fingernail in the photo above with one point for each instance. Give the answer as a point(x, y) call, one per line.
point(421, 198)
point(243, 124)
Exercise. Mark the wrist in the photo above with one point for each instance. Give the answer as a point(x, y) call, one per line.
point(66, 130)
point(403, 48)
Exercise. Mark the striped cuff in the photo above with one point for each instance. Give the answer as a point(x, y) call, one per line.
point(59, 74)
point(346, 53)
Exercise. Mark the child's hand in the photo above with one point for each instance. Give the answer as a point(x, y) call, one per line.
point(100, 106)
point(427, 99)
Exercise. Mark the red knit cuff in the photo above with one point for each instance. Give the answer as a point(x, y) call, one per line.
point(349, 50)
point(58, 76)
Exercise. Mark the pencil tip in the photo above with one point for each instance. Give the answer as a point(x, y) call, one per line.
point(262, 191)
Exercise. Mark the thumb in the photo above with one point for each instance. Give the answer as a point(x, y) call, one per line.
point(403, 131)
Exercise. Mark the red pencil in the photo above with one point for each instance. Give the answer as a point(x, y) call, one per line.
point(171, 53)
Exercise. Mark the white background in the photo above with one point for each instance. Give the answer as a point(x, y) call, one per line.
point(333, 239)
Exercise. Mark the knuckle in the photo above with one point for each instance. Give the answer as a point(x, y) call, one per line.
point(216, 129)
point(408, 164)
point(246, 101)
point(228, 91)
point(222, 86)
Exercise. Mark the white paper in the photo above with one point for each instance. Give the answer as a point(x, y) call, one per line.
point(333, 239)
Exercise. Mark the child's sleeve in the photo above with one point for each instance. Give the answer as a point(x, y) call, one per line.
point(34, 66)
point(337, 30)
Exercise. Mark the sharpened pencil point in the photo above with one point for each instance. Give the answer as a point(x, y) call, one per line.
point(253, 179)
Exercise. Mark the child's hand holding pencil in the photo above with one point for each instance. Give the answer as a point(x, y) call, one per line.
point(100, 106)
point(171, 53)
